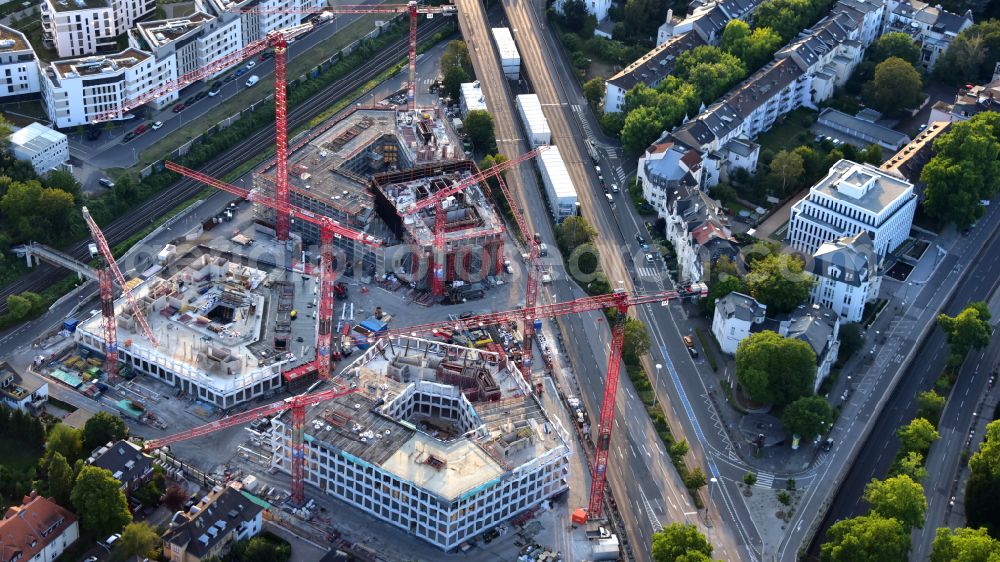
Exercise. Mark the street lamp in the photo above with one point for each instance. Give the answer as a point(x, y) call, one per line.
point(708, 507)
point(656, 383)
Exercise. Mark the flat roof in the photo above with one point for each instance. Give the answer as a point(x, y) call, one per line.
point(505, 43)
point(474, 97)
point(910, 160)
point(74, 5)
point(12, 40)
point(553, 163)
point(508, 431)
point(98, 64)
point(36, 137)
point(885, 135)
point(880, 189)
point(161, 32)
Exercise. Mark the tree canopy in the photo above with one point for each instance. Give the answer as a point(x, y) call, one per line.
point(808, 416)
point(710, 70)
point(636, 342)
point(963, 170)
point(775, 370)
point(260, 549)
point(964, 545)
point(789, 17)
point(917, 436)
point(755, 48)
point(894, 44)
point(593, 90)
point(895, 87)
point(899, 498)
point(60, 479)
point(779, 282)
point(930, 404)
point(479, 126)
point(100, 501)
point(139, 539)
point(911, 464)
point(721, 288)
point(37, 212)
point(987, 459)
point(456, 53)
point(674, 541)
point(65, 440)
point(969, 329)
point(787, 168)
point(868, 538)
point(971, 55)
point(102, 428)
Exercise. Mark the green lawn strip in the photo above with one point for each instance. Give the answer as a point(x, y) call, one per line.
point(706, 345)
point(784, 135)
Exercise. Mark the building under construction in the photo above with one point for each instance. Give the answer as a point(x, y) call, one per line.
point(362, 170)
point(442, 441)
point(225, 329)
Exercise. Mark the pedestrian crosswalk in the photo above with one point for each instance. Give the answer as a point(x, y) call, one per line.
point(649, 272)
point(584, 122)
point(764, 480)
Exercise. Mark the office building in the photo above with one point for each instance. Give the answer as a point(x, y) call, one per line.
point(44, 148)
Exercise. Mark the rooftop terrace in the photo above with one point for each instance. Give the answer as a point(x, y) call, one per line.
point(161, 32)
point(99, 64)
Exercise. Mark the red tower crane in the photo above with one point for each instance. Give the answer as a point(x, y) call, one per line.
point(413, 8)
point(621, 302)
point(437, 200)
point(297, 404)
point(105, 278)
point(329, 229)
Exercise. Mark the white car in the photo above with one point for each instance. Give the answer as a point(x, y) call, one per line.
point(251, 64)
point(252, 80)
point(157, 125)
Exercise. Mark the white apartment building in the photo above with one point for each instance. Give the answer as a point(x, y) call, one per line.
point(735, 314)
point(854, 198)
point(664, 168)
point(44, 148)
point(597, 8)
point(254, 26)
point(848, 275)
point(707, 18)
point(932, 27)
point(18, 65)
point(442, 441)
point(193, 41)
point(82, 27)
point(76, 91)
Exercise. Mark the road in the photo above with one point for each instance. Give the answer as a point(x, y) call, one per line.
point(143, 214)
point(878, 452)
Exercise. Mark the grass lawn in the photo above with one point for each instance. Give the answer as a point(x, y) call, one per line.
point(32, 29)
point(246, 97)
point(15, 455)
point(24, 113)
point(786, 135)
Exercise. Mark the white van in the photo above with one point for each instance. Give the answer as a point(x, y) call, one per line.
point(252, 80)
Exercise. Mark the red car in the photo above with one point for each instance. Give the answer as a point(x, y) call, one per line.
point(178, 108)
point(141, 129)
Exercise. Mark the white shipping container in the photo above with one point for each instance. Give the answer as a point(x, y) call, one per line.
point(510, 59)
point(534, 120)
point(558, 185)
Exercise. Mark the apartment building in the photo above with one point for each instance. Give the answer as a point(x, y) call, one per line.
point(192, 41)
point(848, 274)
point(83, 27)
point(28, 394)
point(932, 27)
point(666, 167)
point(699, 232)
point(650, 69)
point(18, 66)
point(76, 91)
point(38, 530)
point(209, 529)
point(257, 18)
point(706, 18)
point(853, 198)
point(969, 101)
point(126, 462)
point(44, 148)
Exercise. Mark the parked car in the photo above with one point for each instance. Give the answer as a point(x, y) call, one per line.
point(252, 80)
point(141, 129)
point(231, 77)
point(128, 136)
point(251, 64)
point(179, 108)
point(106, 183)
point(157, 125)
point(241, 71)
point(216, 86)
point(109, 542)
point(200, 95)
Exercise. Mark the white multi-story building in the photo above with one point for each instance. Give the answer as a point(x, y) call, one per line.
point(699, 232)
point(707, 18)
point(932, 27)
point(76, 91)
point(18, 66)
point(854, 198)
point(664, 168)
point(192, 41)
point(472, 98)
point(735, 314)
point(82, 27)
point(650, 69)
point(597, 8)
point(274, 14)
point(848, 275)
point(22, 393)
point(442, 441)
point(44, 148)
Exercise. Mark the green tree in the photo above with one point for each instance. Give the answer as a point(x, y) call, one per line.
point(808, 416)
point(987, 459)
point(642, 126)
point(787, 168)
point(574, 232)
point(100, 502)
point(851, 339)
point(60, 479)
point(593, 89)
point(678, 449)
point(479, 126)
point(982, 495)
point(18, 307)
point(721, 288)
point(642, 17)
point(966, 331)
point(911, 464)
point(139, 539)
point(964, 170)
point(868, 538)
point(710, 70)
point(755, 48)
point(813, 164)
point(675, 541)
point(749, 478)
point(779, 282)
point(894, 44)
point(636, 342)
point(964, 545)
point(917, 436)
point(896, 86)
point(930, 404)
point(899, 498)
point(102, 428)
point(454, 77)
point(971, 55)
point(66, 441)
point(456, 54)
point(260, 549)
point(775, 370)
point(64, 181)
point(695, 479)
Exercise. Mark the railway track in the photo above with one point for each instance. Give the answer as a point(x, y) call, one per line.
point(125, 226)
